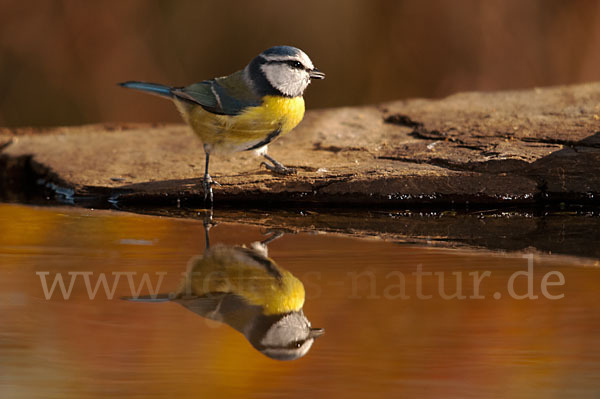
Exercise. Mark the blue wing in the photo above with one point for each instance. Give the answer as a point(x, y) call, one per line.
point(229, 95)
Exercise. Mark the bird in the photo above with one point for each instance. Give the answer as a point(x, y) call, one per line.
point(246, 110)
point(245, 289)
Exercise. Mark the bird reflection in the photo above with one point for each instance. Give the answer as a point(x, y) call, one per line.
point(245, 289)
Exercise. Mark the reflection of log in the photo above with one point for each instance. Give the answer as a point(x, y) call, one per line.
point(506, 147)
point(557, 233)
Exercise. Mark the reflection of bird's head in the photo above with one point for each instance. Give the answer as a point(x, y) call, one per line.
point(247, 290)
point(289, 337)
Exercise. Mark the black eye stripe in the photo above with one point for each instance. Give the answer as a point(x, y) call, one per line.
point(291, 345)
point(292, 63)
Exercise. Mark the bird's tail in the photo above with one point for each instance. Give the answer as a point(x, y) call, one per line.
point(152, 88)
point(149, 298)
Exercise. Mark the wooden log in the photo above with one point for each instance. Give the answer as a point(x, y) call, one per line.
point(513, 147)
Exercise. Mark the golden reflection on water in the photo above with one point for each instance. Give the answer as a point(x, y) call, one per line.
point(378, 342)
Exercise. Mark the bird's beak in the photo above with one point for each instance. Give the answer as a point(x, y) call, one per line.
point(316, 74)
point(316, 332)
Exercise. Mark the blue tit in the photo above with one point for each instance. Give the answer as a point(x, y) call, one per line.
point(247, 109)
point(245, 289)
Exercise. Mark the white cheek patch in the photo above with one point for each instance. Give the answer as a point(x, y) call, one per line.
point(290, 81)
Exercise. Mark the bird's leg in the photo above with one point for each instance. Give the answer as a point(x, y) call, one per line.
point(261, 246)
point(208, 223)
point(208, 182)
point(277, 167)
point(273, 237)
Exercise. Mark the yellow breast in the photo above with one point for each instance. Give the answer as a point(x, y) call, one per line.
point(228, 270)
point(239, 132)
point(288, 112)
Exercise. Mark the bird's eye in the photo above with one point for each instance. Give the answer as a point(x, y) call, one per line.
point(297, 64)
point(296, 344)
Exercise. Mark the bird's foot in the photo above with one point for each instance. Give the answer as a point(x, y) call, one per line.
point(208, 221)
point(207, 184)
point(278, 167)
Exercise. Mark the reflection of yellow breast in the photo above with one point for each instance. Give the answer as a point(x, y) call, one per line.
point(253, 125)
point(236, 270)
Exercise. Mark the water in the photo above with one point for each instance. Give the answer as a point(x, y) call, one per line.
point(377, 342)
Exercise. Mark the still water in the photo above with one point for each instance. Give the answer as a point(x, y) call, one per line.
point(357, 317)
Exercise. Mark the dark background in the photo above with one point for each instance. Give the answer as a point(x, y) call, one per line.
point(60, 60)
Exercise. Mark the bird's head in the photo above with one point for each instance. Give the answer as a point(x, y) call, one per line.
point(282, 70)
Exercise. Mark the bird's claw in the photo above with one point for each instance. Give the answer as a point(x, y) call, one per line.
point(209, 222)
point(279, 169)
point(207, 184)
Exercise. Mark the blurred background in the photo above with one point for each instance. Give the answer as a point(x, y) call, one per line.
point(60, 60)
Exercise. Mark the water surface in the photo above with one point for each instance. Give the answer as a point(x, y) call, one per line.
point(382, 337)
